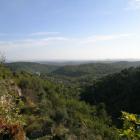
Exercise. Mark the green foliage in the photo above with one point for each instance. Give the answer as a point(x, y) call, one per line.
point(131, 123)
point(4, 73)
point(9, 111)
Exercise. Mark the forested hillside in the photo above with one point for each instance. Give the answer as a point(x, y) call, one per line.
point(96, 69)
point(50, 111)
point(42, 109)
point(119, 92)
point(68, 74)
point(31, 67)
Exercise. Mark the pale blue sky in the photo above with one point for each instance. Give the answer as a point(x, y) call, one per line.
point(70, 29)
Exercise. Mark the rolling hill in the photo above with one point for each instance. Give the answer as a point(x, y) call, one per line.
point(31, 67)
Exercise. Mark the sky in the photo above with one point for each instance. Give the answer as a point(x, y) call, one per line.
point(69, 29)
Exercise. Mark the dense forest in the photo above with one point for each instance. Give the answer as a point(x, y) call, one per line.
point(118, 92)
point(98, 101)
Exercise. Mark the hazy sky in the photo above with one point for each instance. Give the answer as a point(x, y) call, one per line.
point(69, 29)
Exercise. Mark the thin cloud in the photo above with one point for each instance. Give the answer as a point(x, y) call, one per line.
point(133, 5)
point(44, 33)
point(60, 40)
point(63, 47)
point(100, 38)
point(28, 43)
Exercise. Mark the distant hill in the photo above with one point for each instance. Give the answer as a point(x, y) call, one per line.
point(81, 62)
point(31, 67)
point(85, 69)
point(126, 64)
point(96, 69)
point(69, 74)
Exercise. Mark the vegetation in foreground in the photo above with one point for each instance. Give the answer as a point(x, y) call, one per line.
point(41, 109)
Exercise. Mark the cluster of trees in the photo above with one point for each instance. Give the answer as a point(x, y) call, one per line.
point(119, 92)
